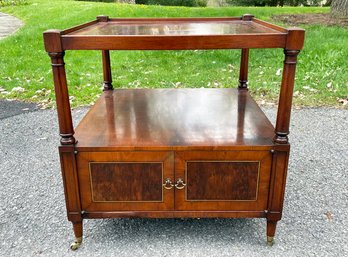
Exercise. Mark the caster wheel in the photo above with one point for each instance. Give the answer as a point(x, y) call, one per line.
point(76, 245)
point(270, 240)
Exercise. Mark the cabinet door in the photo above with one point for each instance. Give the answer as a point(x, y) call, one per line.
point(222, 180)
point(116, 181)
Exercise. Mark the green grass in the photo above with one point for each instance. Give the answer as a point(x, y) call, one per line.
point(322, 75)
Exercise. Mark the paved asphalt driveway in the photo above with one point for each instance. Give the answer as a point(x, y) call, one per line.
point(32, 207)
point(8, 25)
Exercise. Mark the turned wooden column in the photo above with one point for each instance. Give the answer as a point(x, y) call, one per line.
point(107, 84)
point(294, 44)
point(243, 70)
point(285, 97)
point(55, 51)
point(107, 70)
point(244, 60)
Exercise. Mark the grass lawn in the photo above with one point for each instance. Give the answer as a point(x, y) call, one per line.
point(322, 76)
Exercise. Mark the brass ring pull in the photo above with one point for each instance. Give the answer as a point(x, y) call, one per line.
point(168, 184)
point(180, 184)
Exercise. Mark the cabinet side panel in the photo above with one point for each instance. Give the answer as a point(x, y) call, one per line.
point(70, 181)
point(277, 188)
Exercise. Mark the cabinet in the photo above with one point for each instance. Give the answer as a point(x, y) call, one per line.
point(174, 152)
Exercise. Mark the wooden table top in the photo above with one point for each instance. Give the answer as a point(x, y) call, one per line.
point(106, 33)
point(180, 27)
point(174, 119)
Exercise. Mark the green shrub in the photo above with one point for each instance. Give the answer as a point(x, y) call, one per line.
point(106, 1)
point(244, 2)
point(12, 2)
point(191, 3)
point(273, 2)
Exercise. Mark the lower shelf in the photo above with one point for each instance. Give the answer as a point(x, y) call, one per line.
point(174, 119)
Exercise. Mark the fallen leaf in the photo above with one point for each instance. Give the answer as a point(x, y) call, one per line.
point(310, 89)
point(343, 101)
point(296, 93)
point(329, 215)
point(177, 84)
point(18, 89)
point(41, 138)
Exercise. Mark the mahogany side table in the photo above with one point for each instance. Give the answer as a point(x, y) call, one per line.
point(174, 152)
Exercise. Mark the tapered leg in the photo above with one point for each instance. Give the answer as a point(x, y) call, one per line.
point(77, 226)
point(271, 228)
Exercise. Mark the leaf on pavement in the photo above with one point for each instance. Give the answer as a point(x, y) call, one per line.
point(329, 215)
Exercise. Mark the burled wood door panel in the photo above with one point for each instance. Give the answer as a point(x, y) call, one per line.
point(126, 182)
point(223, 180)
point(116, 181)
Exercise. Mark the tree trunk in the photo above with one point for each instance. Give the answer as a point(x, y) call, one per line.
point(339, 8)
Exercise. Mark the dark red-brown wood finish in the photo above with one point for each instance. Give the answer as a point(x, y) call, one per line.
point(174, 152)
point(107, 70)
point(174, 119)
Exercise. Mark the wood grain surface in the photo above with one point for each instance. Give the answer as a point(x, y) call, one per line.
point(170, 119)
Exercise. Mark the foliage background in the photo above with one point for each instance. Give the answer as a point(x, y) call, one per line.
point(25, 71)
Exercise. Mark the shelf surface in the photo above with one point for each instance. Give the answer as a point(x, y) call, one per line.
point(173, 34)
point(172, 27)
point(174, 119)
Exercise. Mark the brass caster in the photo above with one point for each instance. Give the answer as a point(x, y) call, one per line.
point(270, 240)
point(76, 245)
